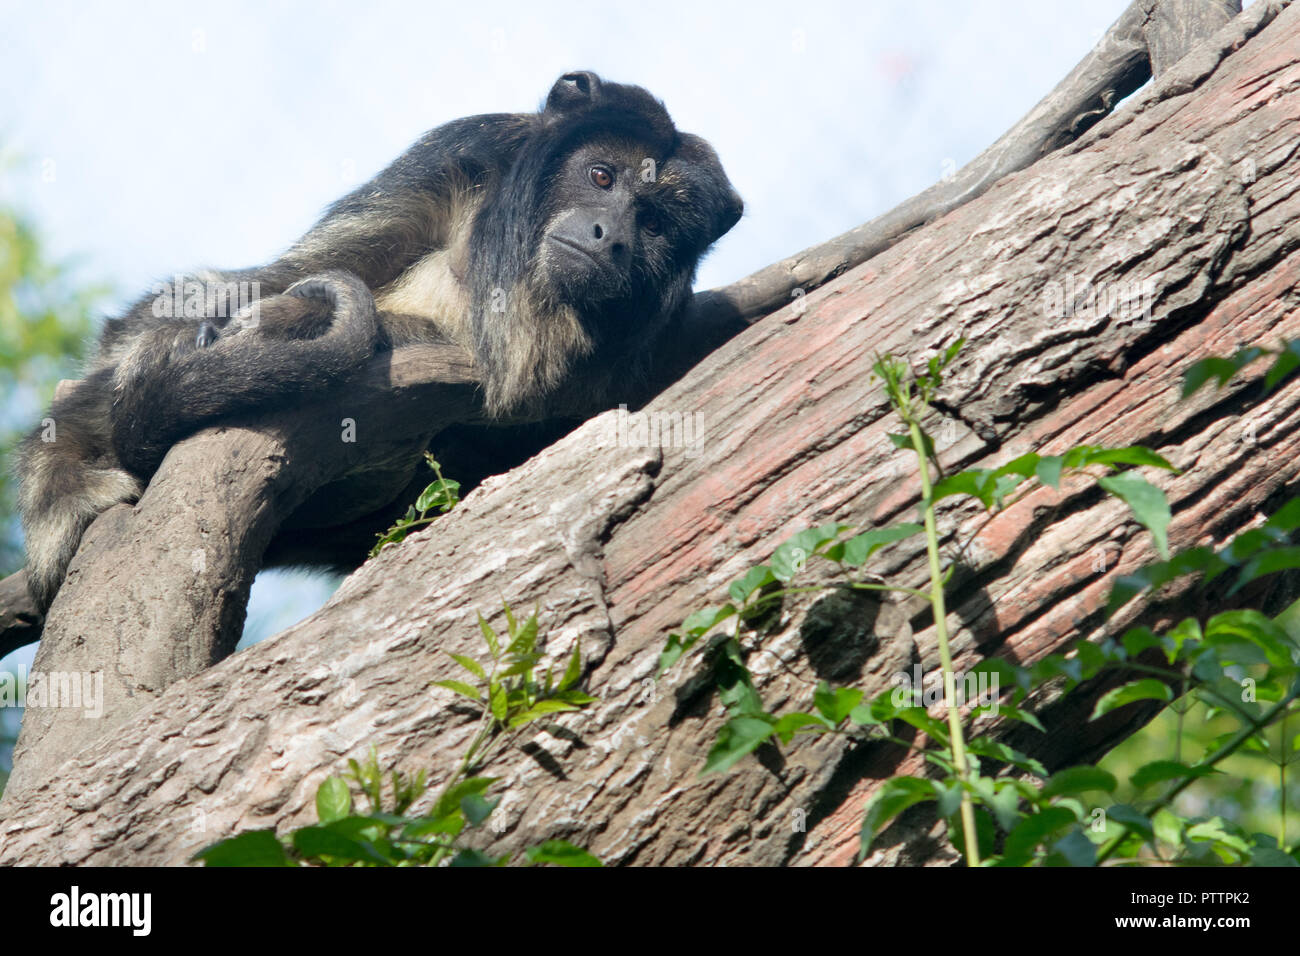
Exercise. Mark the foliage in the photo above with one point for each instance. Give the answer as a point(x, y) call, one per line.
point(45, 319)
point(443, 494)
point(1002, 806)
point(509, 694)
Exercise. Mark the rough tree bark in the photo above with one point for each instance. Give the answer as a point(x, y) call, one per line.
point(1188, 194)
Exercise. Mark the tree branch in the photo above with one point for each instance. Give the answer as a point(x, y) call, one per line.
point(1188, 196)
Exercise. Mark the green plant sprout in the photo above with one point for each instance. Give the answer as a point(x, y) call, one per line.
point(510, 694)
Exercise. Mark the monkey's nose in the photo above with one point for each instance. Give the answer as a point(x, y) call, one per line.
point(607, 239)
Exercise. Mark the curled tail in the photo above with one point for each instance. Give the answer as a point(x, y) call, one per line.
point(67, 476)
point(165, 387)
point(102, 441)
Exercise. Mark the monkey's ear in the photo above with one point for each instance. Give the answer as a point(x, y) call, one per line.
point(733, 207)
point(715, 192)
point(573, 91)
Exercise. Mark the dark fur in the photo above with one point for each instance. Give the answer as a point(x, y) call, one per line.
point(489, 231)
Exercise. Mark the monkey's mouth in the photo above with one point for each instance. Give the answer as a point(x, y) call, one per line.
point(574, 247)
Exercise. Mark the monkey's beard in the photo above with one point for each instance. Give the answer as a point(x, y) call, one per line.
point(543, 356)
point(526, 343)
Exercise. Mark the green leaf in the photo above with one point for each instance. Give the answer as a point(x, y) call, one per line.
point(736, 738)
point(790, 724)
point(1057, 665)
point(1191, 561)
point(1133, 456)
point(893, 797)
point(1005, 804)
point(996, 750)
point(254, 848)
point(539, 709)
point(1158, 771)
point(1073, 849)
point(1287, 518)
point(864, 715)
point(1078, 780)
point(1033, 830)
point(1286, 363)
point(443, 494)
point(1168, 827)
point(460, 687)
point(1221, 369)
point(856, 550)
point(789, 558)
point(476, 858)
point(490, 636)
point(935, 729)
point(322, 841)
point(1026, 466)
point(1250, 626)
point(734, 682)
point(573, 672)
point(694, 627)
point(673, 650)
point(1007, 674)
point(705, 620)
point(1011, 713)
point(1267, 562)
point(1147, 502)
point(498, 704)
point(979, 483)
point(1147, 689)
point(525, 637)
point(1271, 856)
point(1215, 830)
point(985, 833)
point(1139, 823)
point(755, 578)
point(560, 853)
point(471, 665)
point(476, 808)
point(836, 705)
point(1049, 470)
point(333, 799)
point(1138, 639)
point(450, 802)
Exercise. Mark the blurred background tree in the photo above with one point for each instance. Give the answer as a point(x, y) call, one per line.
point(46, 318)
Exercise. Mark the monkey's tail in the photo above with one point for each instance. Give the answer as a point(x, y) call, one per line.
point(164, 391)
point(66, 478)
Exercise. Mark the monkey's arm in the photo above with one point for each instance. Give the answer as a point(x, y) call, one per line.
point(409, 209)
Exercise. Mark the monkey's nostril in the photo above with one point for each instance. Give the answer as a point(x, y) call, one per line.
point(597, 232)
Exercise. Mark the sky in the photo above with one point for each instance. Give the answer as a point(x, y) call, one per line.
point(148, 138)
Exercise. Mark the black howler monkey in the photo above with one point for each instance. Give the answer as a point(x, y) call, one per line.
point(553, 246)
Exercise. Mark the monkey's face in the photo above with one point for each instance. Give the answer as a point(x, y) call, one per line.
point(624, 229)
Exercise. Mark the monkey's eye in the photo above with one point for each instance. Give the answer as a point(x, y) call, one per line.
point(651, 223)
point(601, 176)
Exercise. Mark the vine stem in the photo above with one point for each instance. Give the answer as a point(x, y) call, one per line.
point(945, 654)
point(1281, 772)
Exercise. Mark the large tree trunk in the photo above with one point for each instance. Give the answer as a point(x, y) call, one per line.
point(1188, 195)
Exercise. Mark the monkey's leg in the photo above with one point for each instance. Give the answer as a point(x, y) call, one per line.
point(167, 387)
point(67, 475)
